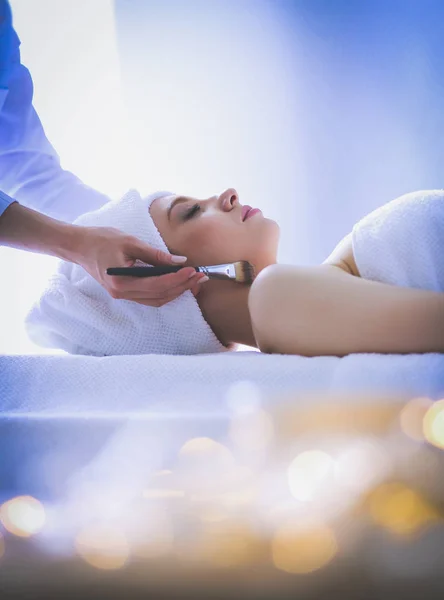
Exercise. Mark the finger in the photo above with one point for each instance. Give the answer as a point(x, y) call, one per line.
point(158, 302)
point(153, 296)
point(154, 256)
point(147, 285)
point(197, 286)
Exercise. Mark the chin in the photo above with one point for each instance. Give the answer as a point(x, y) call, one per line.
point(265, 253)
point(273, 225)
point(271, 234)
point(267, 223)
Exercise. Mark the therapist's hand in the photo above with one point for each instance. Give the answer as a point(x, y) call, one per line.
point(98, 248)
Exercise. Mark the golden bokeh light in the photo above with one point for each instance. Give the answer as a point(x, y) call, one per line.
point(205, 469)
point(103, 546)
point(354, 414)
point(412, 416)
point(400, 509)
point(23, 516)
point(433, 424)
point(302, 550)
point(308, 472)
point(205, 450)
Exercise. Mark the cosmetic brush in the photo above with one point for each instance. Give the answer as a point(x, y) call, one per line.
point(241, 271)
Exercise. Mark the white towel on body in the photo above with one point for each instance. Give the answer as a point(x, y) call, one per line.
point(402, 242)
point(76, 314)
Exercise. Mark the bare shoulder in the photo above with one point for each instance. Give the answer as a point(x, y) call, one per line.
point(343, 257)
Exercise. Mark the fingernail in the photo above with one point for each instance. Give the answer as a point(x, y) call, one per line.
point(203, 279)
point(178, 259)
point(192, 274)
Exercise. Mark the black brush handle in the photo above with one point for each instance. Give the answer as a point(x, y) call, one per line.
point(143, 271)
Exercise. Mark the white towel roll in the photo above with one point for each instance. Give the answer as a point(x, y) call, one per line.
point(76, 314)
point(402, 242)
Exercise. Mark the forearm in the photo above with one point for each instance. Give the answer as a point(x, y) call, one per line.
point(26, 229)
point(325, 311)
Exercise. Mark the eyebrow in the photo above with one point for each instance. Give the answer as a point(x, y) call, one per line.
point(174, 202)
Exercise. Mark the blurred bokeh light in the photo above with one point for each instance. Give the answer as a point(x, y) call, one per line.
point(400, 509)
point(412, 416)
point(23, 516)
point(433, 424)
point(308, 472)
point(303, 548)
point(362, 465)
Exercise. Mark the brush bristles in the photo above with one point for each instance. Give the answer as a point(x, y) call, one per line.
point(244, 271)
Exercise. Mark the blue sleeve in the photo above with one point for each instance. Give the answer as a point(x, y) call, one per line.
point(5, 201)
point(30, 169)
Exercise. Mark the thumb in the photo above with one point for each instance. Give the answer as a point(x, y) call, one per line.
point(154, 256)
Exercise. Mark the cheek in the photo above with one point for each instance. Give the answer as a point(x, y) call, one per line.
point(209, 240)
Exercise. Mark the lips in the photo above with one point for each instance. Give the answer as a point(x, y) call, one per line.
point(248, 211)
point(251, 212)
point(245, 210)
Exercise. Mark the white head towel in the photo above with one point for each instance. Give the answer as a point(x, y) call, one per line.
point(402, 242)
point(76, 314)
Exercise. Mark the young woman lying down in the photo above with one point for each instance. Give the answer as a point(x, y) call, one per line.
point(334, 308)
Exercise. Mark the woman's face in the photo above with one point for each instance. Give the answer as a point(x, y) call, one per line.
point(215, 231)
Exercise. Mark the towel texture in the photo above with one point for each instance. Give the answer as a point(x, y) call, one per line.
point(194, 387)
point(76, 314)
point(402, 242)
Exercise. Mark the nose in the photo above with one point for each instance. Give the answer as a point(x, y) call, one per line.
point(229, 199)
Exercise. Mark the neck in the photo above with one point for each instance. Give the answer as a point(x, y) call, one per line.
point(224, 305)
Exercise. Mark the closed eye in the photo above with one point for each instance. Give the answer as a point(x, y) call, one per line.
point(189, 214)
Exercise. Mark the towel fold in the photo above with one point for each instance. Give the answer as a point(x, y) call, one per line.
point(76, 314)
point(402, 242)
